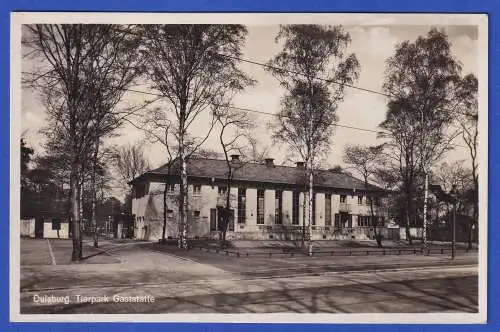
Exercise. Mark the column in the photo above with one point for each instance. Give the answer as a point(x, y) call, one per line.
point(269, 206)
point(287, 207)
point(320, 209)
point(251, 210)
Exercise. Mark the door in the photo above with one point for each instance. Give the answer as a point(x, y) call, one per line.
point(213, 220)
point(231, 220)
point(220, 220)
point(39, 228)
point(345, 220)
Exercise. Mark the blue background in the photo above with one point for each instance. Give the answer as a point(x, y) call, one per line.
point(491, 7)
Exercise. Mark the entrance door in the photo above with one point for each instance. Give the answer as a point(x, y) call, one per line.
point(345, 220)
point(220, 220)
point(213, 220)
point(231, 220)
point(39, 228)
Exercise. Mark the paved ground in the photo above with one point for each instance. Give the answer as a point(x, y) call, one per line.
point(48, 252)
point(200, 281)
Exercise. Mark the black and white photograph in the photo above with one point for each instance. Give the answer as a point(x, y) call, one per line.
point(249, 167)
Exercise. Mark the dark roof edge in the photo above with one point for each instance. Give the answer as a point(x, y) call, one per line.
point(372, 188)
point(157, 171)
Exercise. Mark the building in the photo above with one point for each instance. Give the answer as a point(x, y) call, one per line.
point(266, 201)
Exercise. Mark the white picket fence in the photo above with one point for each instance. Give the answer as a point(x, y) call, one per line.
point(27, 228)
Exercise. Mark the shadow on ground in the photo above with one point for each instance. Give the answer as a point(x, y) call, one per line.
point(434, 295)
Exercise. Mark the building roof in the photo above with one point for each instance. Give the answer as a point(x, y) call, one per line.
point(260, 172)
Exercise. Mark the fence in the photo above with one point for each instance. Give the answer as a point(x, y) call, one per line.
point(294, 233)
point(292, 252)
point(27, 228)
point(415, 233)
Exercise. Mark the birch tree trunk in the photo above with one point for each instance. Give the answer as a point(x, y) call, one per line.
point(76, 254)
point(164, 210)
point(94, 195)
point(184, 208)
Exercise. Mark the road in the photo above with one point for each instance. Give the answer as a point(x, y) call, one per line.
point(209, 283)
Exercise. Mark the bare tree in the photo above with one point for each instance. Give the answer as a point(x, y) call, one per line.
point(194, 67)
point(234, 130)
point(257, 154)
point(313, 68)
point(130, 162)
point(454, 177)
point(468, 120)
point(421, 78)
point(88, 66)
point(207, 154)
point(364, 160)
point(158, 128)
point(457, 180)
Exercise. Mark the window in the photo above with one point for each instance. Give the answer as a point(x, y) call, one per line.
point(337, 220)
point(363, 221)
point(376, 201)
point(170, 188)
point(295, 208)
point(343, 198)
point(313, 217)
point(368, 221)
point(170, 214)
point(196, 215)
point(213, 220)
point(231, 220)
point(278, 211)
point(140, 190)
point(242, 205)
point(347, 218)
point(328, 210)
point(368, 200)
point(260, 206)
point(196, 190)
point(360, 200)
point(222, 191)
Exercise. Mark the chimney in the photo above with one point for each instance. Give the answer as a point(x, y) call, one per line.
point(300, 164)
point(235, 157)
point(269, 161)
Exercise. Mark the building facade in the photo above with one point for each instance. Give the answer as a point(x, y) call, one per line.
point(267, 202)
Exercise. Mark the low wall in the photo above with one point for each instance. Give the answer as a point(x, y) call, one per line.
point(415, 233)
point(49, 233)
point(27, 228)
point(355, 233)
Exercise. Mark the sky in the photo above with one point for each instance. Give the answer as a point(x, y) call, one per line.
point(372, 46)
